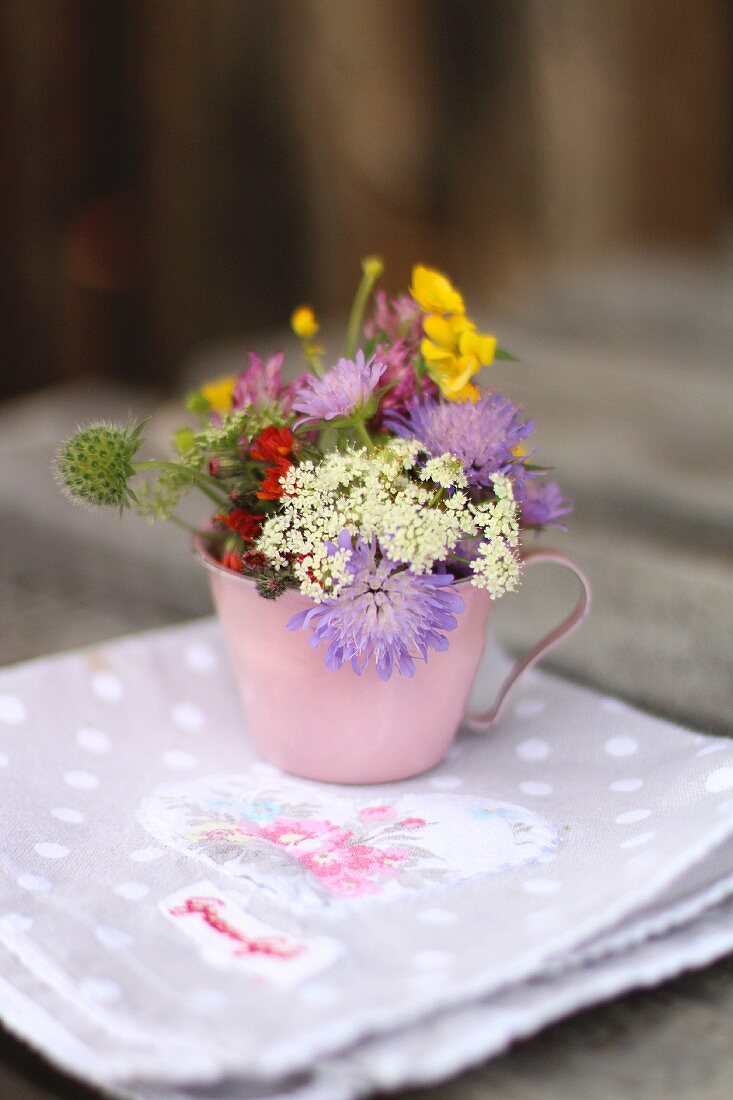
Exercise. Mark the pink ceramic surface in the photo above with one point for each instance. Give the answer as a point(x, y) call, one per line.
point(342, 728)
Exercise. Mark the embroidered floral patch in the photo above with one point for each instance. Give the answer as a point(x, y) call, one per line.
point(307, 843)
point(230, 936)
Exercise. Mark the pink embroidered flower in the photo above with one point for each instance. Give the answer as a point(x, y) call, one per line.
point(377, 813)
point(288, 831)
point(395, 853)
point(325, 862)
point(413, 823)
point(337, 857)
point(345, 866)
point(364, 858)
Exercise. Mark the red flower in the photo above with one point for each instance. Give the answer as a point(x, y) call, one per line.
point(244, 524)
point(253, 560)
point(231, 561)
point(271, 489)
point(272, 445)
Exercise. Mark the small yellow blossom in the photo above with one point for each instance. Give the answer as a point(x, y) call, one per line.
point(220, 393)
point(434, 292)
point(303, 322)
point(453, 375)
point(478, 345)
point(372, 267)
point(446, 331)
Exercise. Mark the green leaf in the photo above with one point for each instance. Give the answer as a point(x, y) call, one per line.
point(502, 353)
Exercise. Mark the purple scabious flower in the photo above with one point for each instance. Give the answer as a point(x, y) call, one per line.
point(260, 386)
point(386, 614)
point(483, 434)
point(540, 504)
point(343, 390)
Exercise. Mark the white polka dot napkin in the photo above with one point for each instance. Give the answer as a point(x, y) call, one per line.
point(174, 912)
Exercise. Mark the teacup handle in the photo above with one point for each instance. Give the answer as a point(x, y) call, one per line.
point(480, 722)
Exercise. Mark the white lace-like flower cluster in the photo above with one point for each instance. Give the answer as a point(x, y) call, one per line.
point(497, 566)
point(417, 512)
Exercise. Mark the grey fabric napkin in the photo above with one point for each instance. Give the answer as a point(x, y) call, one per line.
point(174, 911)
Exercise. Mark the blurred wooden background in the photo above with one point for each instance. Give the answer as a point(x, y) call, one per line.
point(179, 170)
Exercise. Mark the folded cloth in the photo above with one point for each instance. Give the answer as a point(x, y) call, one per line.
point(443, 1045)
point(176, 912)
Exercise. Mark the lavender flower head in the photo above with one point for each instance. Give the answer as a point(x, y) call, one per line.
point(540, 504)
point(386, 615)
point(344, 389)
point(483, 434)
point(260, 386)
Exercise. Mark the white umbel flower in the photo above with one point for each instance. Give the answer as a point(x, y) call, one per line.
point(418, 513)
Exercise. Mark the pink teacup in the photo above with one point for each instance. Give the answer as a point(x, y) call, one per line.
point(342, 728)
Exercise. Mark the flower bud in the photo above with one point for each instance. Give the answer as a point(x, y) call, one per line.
point(95, 464)
point(303, 322)
point(372, 267)
point(224, 467)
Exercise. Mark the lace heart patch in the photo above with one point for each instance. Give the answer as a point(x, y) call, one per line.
point(312, 845)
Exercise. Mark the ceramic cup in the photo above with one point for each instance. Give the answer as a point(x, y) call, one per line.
point(342, 728)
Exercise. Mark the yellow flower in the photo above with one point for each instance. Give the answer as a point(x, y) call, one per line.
point(219, 394)
point(453, 373)
point(445, 332)
point(434, 292)
point(479, 345)
point(454, 352)
point(303, 322)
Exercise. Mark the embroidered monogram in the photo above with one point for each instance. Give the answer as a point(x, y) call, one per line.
point(309, 845)
point(210, 908)
point(230, 936)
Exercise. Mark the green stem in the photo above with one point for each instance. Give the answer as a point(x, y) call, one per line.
point(458, 557)
point(204, 482)
point(362, 430)
point(313, 359)
point(356, 317)
point(196, 530)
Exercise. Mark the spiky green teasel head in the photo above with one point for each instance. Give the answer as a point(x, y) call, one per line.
point(95, 464)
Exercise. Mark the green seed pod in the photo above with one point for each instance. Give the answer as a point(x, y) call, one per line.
point(94, 465)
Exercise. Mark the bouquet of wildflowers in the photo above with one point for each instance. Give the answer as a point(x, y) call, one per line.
point(378, 484)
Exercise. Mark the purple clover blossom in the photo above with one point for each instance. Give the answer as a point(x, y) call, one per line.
point(541, 505)
point(260, 386)
point(400, 377)
point(386, 614)
point(483, 434)
point(396, 318)
point(344, 389)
